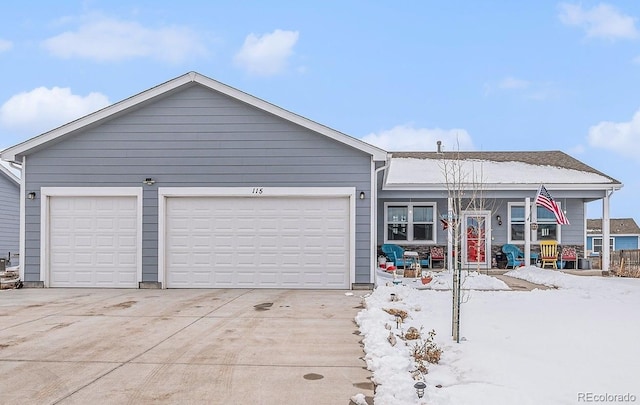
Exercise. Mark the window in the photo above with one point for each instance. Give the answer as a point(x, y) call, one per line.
point(597, 245)
point(547, 225)
point(548, 229)
point(409, 222)
point(516, 223)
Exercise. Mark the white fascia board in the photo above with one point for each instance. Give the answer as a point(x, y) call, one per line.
point(10, 153)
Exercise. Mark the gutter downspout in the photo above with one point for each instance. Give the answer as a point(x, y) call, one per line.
point(22, 228)
point(374, 219)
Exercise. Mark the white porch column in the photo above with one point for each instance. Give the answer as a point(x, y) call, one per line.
point(450, 234)
point(605, 255)
point(527, 231)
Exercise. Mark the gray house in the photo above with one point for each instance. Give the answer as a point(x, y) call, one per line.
point(9, 214)
point(194, 184)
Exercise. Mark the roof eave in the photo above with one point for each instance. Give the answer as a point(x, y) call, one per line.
point(504, 186)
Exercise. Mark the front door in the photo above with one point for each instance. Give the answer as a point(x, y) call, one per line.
point(476, 237)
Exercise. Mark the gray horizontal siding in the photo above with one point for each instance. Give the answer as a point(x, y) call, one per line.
point(9, 216)
point(197, 138)
point(570, 234)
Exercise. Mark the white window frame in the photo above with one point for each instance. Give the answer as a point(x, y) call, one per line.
point(410, 206)
point(612, 243)
point(509, 220)
point(534, 219)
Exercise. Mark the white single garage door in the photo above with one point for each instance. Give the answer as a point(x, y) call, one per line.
point(265, 242)
point(92, 241)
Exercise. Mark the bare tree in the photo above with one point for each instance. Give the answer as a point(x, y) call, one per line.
point(466, 212)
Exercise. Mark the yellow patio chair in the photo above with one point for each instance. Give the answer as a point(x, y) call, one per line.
point(549, 253)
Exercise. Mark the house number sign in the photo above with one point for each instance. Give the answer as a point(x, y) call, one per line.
point(257, 190)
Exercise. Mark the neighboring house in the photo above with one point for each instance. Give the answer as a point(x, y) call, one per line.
point(194, 184)
point(9, 213)
point(624, 234)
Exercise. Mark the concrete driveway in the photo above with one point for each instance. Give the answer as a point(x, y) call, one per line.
point(79, 346)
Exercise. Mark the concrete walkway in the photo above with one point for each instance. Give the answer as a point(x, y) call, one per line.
point(517, 284)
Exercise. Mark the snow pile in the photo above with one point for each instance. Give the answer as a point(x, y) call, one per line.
point(558, 346)
point(443, 280)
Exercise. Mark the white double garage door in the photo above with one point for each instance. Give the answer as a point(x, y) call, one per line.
point(207, 238)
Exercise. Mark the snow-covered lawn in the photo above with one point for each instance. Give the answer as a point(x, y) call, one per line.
point(578, 343)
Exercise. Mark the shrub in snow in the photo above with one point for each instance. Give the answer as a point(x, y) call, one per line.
point(426, 351)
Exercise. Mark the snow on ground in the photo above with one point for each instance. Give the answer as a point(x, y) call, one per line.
point(579, 343)
point(443, 280)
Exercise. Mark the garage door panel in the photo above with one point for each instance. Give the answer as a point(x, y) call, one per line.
point(127, 259)
point(92, 241)
point(258, 242)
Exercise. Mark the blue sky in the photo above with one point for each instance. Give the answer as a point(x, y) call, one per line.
point(479, 75)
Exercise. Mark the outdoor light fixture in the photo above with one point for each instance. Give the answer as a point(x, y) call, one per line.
point(149, 181)
point(499, 219)
point(31, 195)
point(362, 195)
point(420, 386)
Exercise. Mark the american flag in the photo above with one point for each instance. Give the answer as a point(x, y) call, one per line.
point(544, 199)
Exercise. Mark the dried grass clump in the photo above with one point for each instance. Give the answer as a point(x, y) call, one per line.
point(412, 334)
point(397, 312)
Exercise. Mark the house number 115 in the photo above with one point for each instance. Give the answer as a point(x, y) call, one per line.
point(257, 190)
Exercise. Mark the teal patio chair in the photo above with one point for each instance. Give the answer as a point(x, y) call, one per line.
point(395, 253)
point(515, 256)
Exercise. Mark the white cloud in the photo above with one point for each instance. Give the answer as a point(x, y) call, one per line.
point(107, 39)
point(620, 137)
point(601, 21)
point(513, 83)
point(268, 54)
point(43, 109)
point(537, 91)
point(5, 45)
point(405, 138)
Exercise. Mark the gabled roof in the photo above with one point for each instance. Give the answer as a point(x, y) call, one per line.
point(5, 171)
point(187, 79)
point(507, 170)
point(617, 226)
